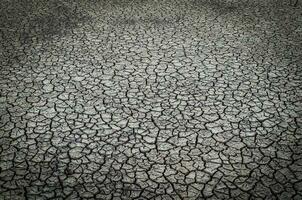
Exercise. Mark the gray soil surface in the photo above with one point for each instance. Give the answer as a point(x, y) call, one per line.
point(138, 99)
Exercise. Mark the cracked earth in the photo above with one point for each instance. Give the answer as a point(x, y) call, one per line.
point(142, 99)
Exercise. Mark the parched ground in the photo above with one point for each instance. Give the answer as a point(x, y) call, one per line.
point(138, 99)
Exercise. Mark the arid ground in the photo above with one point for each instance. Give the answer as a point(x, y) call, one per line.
point(150, 99)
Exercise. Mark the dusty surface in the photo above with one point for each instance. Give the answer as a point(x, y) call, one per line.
point(150, 100)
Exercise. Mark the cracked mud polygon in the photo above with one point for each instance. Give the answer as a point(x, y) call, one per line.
point(137, 99)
